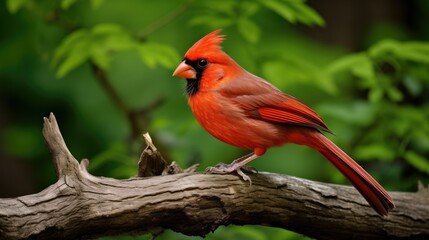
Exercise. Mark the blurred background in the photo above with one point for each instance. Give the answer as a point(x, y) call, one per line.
point(103, 67)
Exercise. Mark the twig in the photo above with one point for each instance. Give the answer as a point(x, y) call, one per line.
point(101, 77)
point(138, 119)
point(63, 161)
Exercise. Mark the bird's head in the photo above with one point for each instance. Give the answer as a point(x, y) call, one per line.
point(205, 64)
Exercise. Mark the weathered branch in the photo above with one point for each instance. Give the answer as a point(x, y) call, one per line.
point(151, 162)
point(80, 205)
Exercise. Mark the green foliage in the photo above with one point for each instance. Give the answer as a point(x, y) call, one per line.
point(226, 13)
point(395, 77)
point(154, 54)
point(294, 11)
point(100, 42)
point(66, 4)
point(94, 44)
point(410, 51)
point(14, 5)
point(372, 68)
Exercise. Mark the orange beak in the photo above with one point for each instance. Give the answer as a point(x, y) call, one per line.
point(185, 71)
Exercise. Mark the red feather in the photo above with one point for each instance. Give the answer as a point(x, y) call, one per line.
point(293, 112)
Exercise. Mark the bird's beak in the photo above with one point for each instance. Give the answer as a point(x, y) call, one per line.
point(185, 71)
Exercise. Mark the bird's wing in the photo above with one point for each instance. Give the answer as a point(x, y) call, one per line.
point(259, 99)
point(292, 111)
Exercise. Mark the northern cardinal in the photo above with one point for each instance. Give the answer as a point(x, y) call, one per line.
point(246, 111)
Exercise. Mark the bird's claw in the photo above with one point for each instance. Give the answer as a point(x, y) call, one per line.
point(223, 168)
point(244, 176)
point(220, 168)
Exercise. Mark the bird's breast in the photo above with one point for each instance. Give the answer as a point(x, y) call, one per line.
point(226, 121)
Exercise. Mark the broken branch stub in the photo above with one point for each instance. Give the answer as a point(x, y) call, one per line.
point(151, 162)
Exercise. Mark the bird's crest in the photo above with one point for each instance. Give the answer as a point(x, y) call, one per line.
point(206, 46)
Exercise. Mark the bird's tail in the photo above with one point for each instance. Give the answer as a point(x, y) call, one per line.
point(370, 189)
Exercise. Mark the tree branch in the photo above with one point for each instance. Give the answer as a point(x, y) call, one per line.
point(80, 205)
point(101, 77)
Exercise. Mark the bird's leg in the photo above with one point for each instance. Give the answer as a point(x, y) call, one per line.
point(235, 166)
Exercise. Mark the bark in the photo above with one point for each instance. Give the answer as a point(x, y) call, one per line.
point(80, 205)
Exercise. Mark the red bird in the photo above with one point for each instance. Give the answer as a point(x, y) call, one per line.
point(246, 111)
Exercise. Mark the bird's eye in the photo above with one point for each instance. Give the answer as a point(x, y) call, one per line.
point(202, 63)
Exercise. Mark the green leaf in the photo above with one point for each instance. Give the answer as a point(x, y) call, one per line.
point(305, 14)
point(375, 95)
point(394, 94)
point(66, 4)
point(294, 11)
point(358, 64)
point(408, 52)
point(417, 161)
point(411, 51)
point(249, 30)
point(14, 5)
point(381, 48)
point(112, 37)
point(96, 44)
point(346, 63)
point(280, 8)
point(106, 28)
point(361, 66)
point(365, 70)
point(70, 63)
point(77, 55)
point(118, 42)
point(154, 54)
point(67, 44)
point(100, 55)
point(96, 3)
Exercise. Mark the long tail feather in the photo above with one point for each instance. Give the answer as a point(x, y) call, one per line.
point(370, 189)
